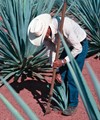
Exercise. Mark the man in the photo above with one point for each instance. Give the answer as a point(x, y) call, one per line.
point(42, 30)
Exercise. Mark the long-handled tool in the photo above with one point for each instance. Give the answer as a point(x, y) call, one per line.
point(48, 109)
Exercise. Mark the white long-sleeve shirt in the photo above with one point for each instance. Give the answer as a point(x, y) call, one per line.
point(73, 34)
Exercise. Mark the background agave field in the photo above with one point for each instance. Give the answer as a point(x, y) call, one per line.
point(19, 59)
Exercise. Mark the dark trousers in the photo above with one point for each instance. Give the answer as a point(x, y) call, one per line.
point(67, 77)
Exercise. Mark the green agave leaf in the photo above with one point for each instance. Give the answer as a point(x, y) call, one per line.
point(8, 54)
point(11, 108)
point(11, 63)
point(93, 49)
point(12, 19)
point(39, 62)
point(8, 75)
point(50, 5)
point(17, 75)
point(61, 91)
point(94, 79)
point(60, 96)
point(9, 21)
point(55, 92)
point(39, 53)
point(44, 6)
point(30, 49)
point(40, 6)
point(9, 68)
point(7, 43)
point(27, 12)
point(37, 75)
point(59, 103)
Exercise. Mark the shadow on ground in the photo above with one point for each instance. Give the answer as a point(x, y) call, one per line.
point(38, 88)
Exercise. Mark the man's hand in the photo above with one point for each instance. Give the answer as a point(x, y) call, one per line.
point(58, 63)
point(58, 78)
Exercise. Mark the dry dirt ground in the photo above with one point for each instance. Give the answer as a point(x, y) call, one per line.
point(34, 92)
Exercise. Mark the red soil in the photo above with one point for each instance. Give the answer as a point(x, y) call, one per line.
point(34, 92)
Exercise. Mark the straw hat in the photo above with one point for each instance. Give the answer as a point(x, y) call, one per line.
point(38, 27)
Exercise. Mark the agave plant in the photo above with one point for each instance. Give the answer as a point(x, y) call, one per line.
point(18, 57)
point(60, 97)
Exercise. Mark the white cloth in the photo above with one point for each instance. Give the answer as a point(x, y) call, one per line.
point(73, 33)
